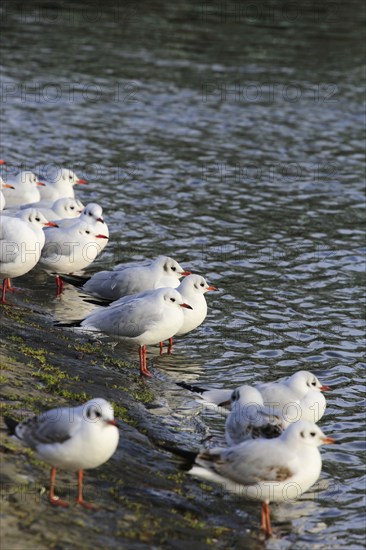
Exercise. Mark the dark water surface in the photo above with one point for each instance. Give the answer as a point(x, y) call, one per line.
point(227, 135)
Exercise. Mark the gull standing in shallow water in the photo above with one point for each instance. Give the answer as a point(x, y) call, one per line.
point(299, 396)
point(61, 186)
point(70, 249)
point(125, 281)
point(144, 319)
point(268, 470)
point(25, 189)
point(192, 289)
point(249, 418)
point(74, 439)
point(21, 241)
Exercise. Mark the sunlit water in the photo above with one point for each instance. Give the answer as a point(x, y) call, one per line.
point(229, 139)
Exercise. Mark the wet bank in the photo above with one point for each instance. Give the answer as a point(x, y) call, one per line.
point(144, 496)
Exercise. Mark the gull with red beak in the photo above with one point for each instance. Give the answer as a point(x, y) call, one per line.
point(268, 470)
point(62, 185)
point(71, 249)
point(128, 280)
point(21, 241)
point(3, 185)
point(24, 189)
point(192, 289)
point(142, 319)
point(73, 439)
point(300, 396)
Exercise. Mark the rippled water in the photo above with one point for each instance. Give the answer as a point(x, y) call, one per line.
point(229, 136)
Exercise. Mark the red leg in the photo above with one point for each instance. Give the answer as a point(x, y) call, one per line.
point(142, 356)
point(51, 495)
point(80, 499)
point(161, 348)
point(170, 347)
point(5, 286)
point(265, 520)
point(59, 285)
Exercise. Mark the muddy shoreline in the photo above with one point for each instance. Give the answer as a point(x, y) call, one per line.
point(144, 496)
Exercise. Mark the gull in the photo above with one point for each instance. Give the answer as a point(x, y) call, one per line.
point(70, 249)
point(21, 241)
point(25, 189)
point(268, 470)
point(61, 186)
point(192, 289)
point(249, 418)
point(3, 185)
point(144, 319)
point(65, 208)
point(299, 396)
point(74, 439)
point(112, 285)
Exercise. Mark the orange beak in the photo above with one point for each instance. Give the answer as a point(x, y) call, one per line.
point(101, 236)
point(40, 184)
point(81, 181)
point(186, 306)
point(327, 440)
point(324, 388)
point(7, 185)
point(50, 224)
point(211, 287)
point(184, 273)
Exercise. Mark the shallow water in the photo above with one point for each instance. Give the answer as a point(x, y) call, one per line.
point(228, 136)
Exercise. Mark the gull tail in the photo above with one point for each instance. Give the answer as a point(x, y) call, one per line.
point(75, 280)
point(195, 389)
point(11, 424)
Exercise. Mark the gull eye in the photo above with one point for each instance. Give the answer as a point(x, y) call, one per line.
point(38, 219)
point(98, 414)
point(313, 383)
point(87, 232)
point(173, 268)
point(89, 214)
point(70, 177)
point(313, 434)
point(72, 207)
point(172, 299)
point(202, 284)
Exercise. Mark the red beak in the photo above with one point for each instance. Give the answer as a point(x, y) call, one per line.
point(2, 161)
point(101, 236)
point(41, 184)
point(184, 273)
point(81, 181)
point(8, 186)
point(211, 287)
point(50, 224)
point(186, 306)
point(324, 388)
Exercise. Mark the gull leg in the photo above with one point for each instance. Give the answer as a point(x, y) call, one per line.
point(59, 285)
point(5, 286)
point(263, 517)
point(51, 495)
point(170, 346)
point(142, 356)
point(161, 348)
point(80, 499)
point(268, 528)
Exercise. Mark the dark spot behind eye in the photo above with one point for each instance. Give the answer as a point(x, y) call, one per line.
point(302, 434)
point(88, 413)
